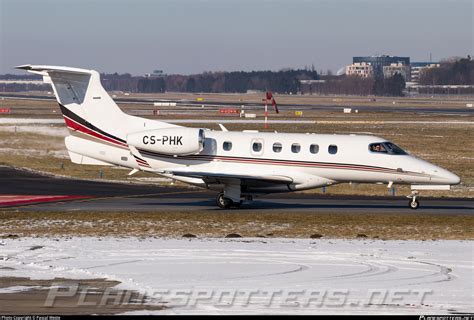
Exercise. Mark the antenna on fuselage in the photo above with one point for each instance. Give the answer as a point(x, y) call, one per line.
point(222, 127)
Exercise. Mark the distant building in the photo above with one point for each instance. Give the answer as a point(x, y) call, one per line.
point(155, 74)
point(397, 68)
point(418, 67)
point(380, 61)
point(361, 69)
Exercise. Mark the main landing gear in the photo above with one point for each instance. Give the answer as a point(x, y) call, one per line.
point(226, 203)
point(413, 203)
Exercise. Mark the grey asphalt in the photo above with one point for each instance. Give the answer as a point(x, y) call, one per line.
point(106, 196)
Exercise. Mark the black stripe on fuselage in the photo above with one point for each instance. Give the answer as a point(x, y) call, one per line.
point(68, 113)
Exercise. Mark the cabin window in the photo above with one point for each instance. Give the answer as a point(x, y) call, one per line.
point(332, 149)
point(124, 158)
point(314, 148)
point(227, 145)
point(277, 147)
point(257, 146)
point(295, 148)
point(392, 148)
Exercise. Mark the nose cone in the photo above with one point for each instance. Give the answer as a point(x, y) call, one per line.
point(446, 177)
point(433, 174)
point(451, 178)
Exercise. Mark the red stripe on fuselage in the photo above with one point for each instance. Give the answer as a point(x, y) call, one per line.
point(143, 163)
point(83, 129)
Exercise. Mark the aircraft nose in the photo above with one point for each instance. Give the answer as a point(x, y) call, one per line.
point(438, 175)
point(448, 177)
point(451, 178)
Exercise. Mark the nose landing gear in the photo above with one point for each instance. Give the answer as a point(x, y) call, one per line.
point(413, 203)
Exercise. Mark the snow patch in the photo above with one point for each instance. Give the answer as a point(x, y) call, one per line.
point(442, 268)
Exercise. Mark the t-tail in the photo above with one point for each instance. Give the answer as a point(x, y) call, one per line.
point(98, 127)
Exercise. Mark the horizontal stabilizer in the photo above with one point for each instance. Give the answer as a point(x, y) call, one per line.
point(38, 69)
point(80, 159)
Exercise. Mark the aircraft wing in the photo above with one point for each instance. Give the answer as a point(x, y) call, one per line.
point(211, 177)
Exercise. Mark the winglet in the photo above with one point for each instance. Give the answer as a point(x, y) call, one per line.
point(222, 127)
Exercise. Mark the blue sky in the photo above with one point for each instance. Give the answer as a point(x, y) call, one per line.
point(185, 36)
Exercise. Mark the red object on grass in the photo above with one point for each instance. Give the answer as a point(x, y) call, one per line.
point(229, 110)
point(274, 104)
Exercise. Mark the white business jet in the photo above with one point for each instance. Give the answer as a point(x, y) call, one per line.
point(240, 165)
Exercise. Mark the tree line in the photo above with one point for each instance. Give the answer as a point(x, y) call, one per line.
point(458, 71)
point(455, 71)
point(284, 81)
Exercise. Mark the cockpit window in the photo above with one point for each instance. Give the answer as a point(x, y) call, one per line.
point(377, 147)
point(386, 147)
point(393, 148)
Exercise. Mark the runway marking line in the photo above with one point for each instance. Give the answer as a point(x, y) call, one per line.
point(139, 195)
point(58, 199)
point(15, 200)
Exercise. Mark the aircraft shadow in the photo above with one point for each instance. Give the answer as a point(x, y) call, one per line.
point(268, 205)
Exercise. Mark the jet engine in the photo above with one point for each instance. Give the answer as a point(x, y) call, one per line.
point(172, 141)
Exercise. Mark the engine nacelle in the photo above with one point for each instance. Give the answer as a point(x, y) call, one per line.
point(171, 141)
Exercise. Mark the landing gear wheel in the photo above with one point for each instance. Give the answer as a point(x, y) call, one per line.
point(223, 202)
point(413, 204)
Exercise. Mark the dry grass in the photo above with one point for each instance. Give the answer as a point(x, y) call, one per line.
point(246, 223)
